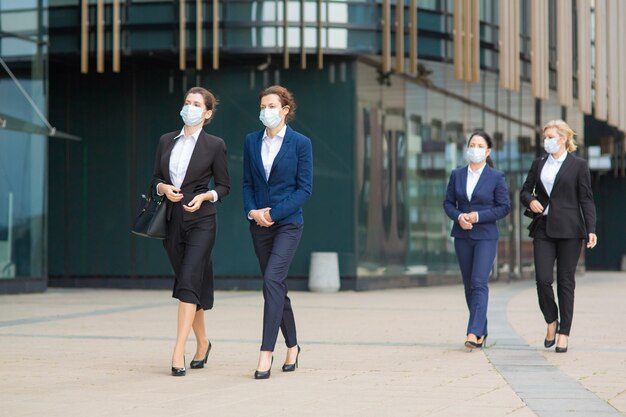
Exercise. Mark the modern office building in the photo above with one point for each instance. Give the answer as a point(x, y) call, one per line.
point(387, 91)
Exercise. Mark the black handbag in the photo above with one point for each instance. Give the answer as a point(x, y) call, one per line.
point(151, 217)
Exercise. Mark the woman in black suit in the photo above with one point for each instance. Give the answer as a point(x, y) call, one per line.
point(186, 161)
point(558, 191)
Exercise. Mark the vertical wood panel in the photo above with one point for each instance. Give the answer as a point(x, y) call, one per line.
point(100, 36)
point(116, 35)
point(399, 36)
point(386, 58)
point(564, 45)
point(413, 37)
point(182, 44)
point(613, 61)
point(474, 26)
point(458, 36)
point(199, 35)
point(583, 11)
point(539, 48)
point(84, 36)
point(600, 61)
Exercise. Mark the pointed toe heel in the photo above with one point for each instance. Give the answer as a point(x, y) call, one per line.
point(549, 343)
point(264, 374)
point(292, 366)
point(199, 364)
point(179, 371)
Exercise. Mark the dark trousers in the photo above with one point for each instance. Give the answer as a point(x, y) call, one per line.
point(189, 246)
point(565, 252)
point(275, 247)
point(475, 261)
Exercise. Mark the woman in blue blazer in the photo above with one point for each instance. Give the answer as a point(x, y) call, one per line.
point(477, 196)
point(277, 181)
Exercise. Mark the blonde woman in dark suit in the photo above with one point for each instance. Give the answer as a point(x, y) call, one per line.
point(558, 191)
point(186, 161)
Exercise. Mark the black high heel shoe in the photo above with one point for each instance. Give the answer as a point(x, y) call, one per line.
point(562, 349)
point(179, 371)
point(549, 343)
point(199, 364)
point(264, 374)
point(292, 367)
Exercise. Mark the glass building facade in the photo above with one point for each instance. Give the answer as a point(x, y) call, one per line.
point(385, 141)
point(23, 145)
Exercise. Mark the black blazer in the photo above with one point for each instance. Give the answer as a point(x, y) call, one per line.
point(208, 160)
point(572, 211)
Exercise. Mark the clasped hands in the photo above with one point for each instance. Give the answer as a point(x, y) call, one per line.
point(174, 195)
point(262, 217)
point(466, 220)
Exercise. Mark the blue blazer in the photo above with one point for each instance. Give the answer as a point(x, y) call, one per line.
point(490, 200)
point(291, 179)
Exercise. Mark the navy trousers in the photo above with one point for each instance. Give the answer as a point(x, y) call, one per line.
point(475, 261)
point(275, 247)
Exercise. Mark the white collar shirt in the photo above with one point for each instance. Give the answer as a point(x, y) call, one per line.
point(181, 155)
point(270, 148)
point(472, 180)
point(548, 174)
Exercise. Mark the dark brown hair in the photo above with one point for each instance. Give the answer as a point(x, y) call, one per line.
point(487, 138)
point(286, 99)
point(210, 101)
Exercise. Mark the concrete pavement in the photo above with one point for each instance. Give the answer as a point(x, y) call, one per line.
point(378, 353)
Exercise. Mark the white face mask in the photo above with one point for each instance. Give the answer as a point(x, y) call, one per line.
point(270, 117)
point(476, 155)
point(191, 115)
point(550, 145)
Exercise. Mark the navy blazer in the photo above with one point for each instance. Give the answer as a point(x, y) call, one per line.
point(572, 211)
point(490, 200)
point(291, 179)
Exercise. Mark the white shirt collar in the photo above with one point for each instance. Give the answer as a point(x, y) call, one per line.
point(280, 134)
point(479, 171)
point(194, 136)
point(558, 160)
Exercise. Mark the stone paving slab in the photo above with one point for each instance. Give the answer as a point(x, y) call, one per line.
point(380, 353)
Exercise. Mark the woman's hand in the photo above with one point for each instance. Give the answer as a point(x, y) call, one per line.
point(592, 241)
point(465, 221)
point(536, 207)
point(172, 193)
point(261, 217)
point(196, 202)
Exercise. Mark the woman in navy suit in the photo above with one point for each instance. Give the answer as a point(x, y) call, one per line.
point(277, 181)
point(558, 191)
point(476, 198)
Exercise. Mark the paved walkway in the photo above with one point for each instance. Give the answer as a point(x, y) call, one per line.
point(380, 353)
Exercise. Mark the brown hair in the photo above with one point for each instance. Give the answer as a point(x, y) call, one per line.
point(210, 101)
point(286, 99)
point(564, 130)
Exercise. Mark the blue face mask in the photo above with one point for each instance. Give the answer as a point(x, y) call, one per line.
point(191, 115)
point(476, 155)
point(270, 117)
point(550, 145)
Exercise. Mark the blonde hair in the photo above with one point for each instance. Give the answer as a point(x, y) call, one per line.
point(564, 130)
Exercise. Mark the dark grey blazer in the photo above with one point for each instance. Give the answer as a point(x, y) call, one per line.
point(572, 211)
